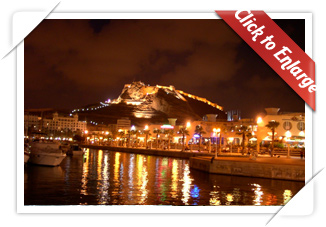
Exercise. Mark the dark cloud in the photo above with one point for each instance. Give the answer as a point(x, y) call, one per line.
point(71, 63)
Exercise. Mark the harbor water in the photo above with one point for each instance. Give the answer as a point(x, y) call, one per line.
point(102, 177)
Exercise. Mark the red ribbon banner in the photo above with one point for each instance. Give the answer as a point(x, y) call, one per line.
point(279, 51)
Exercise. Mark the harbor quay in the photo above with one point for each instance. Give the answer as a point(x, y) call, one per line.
point(235, 164)
point(265, 167)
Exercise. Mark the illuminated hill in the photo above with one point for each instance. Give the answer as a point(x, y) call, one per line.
point(150, 104)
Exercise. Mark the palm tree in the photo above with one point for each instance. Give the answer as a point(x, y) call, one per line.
point(147, 133)
point(129, 137)
point(249, 135)
point(169, 133)
point(243, 131)
point(199, 131)
point(121, 135)
point(272, 125)
point(184, 131)
point(157, 132)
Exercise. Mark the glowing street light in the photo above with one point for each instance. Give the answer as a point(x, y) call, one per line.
point(217, 132)
point(231, 141)
point(188, 124)
point(288, 136)
point(259, 123)
point(146, 133)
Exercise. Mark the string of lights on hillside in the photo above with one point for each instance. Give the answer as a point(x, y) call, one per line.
point(201, 99)
point(171, 88)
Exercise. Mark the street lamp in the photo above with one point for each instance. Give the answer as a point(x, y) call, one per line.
point(288, 136)
point(188, 125)
point(146, 134)
point(215, 135)
point(217, 132)
point(259, 124)
point(133, 128)
point(220, 140)
point(183, 135)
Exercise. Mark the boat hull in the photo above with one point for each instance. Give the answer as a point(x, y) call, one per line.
point(46, 154)
point(46, 159)
point(26, 158)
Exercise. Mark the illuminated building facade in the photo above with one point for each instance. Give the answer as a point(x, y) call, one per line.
point(291, 127)
point(123, 124)
point(58, 123)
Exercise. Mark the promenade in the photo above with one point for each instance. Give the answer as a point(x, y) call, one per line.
point(191, 153)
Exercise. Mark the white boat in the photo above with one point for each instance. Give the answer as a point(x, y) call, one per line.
point(26, 153)
point(46, 153)
point(76, 150)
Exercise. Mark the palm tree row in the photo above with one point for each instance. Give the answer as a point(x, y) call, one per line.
point(272, 125)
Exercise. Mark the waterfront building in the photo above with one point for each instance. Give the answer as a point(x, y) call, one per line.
point(233, 115)
point(31, 122)
point(226, 131)
point(291, 129)
point(58, 123)
point(123, 124)
point(217, 131)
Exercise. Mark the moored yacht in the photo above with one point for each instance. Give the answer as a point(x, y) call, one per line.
point(77, 150)
point(26, 153)
point(46, 153)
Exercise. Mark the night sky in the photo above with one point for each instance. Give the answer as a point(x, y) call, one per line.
point(72, 63)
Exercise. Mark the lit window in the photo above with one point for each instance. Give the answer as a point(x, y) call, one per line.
point(287, 125)
point(301, 126)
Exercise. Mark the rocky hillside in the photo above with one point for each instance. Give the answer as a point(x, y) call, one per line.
point(149, 104)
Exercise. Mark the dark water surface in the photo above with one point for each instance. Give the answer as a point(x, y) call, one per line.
point(116, 178)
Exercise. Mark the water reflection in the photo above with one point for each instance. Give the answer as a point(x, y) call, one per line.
point(115, 178)
point(174, 184)
point(186, 185)
point(130, 175)
point(287, 195)
point(104, 196)
point(84, 179)
point(214, 198)
point(144, 179)
point(258, 194)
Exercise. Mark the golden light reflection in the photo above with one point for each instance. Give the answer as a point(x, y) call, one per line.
point(104, 195)
point(99, 165)
point(84, 179)
point(143, 187)
point(139, 168)
point(174, 185)
point(130, 174)
point(287, 195)
point(116, 168)
point(186, 185)
point(229, 197)
point(215, 198)
point(258, 194)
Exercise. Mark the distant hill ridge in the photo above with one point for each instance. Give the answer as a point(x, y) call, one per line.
point(151, 104)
